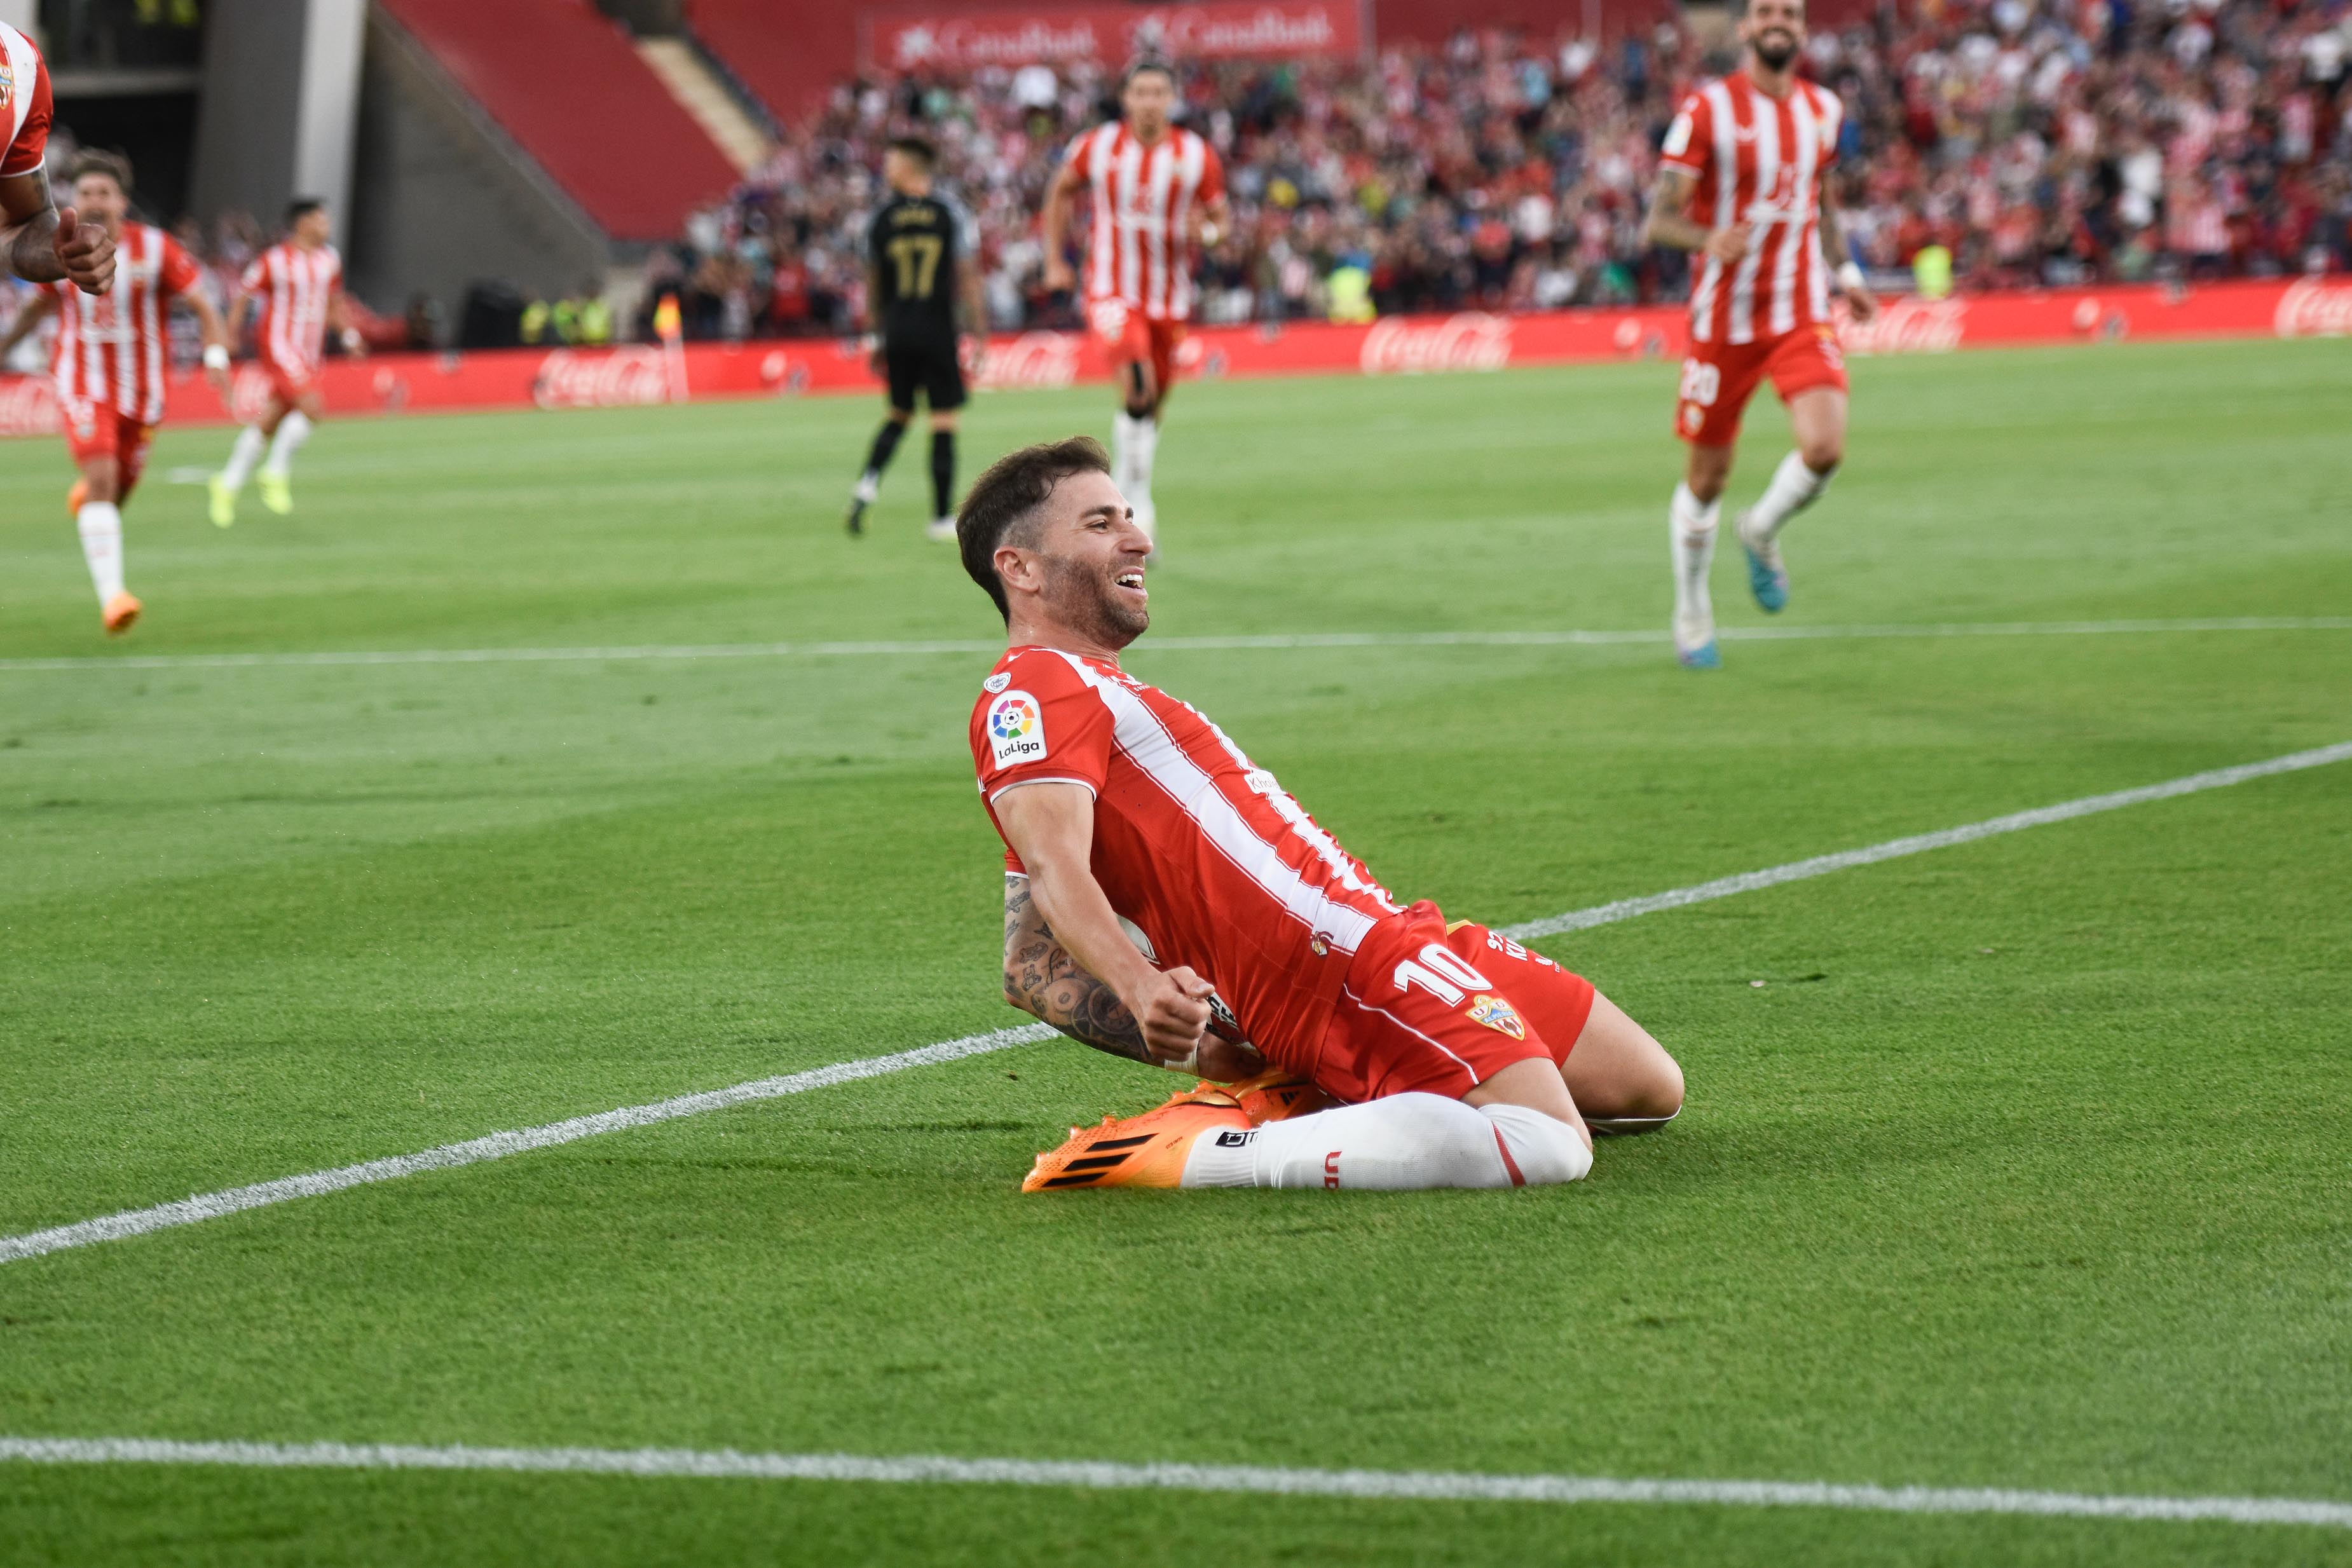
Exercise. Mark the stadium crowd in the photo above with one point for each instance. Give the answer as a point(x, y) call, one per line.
point(2000, 143)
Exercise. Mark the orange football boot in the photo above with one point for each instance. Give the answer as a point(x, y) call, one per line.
point(1140, 1151)
point(1275, 1095)
point(76, 497)
point(121, 611)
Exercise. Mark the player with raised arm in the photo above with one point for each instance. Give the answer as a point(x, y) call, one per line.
point(298, 284)
point(1741, 186)
point(1167, 901)
point(108, 365)
point(1157, 189)
point(922, 259)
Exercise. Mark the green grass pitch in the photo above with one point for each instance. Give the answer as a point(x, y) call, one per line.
point(2028, 1167)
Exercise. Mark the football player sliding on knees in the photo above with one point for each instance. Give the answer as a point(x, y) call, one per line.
point(1167, 901)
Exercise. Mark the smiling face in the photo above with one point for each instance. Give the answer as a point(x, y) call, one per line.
point(1774, 30)
point(1078, 567)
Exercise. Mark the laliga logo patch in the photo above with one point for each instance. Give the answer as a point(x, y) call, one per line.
point(1498, 1015)
point(1016, 729)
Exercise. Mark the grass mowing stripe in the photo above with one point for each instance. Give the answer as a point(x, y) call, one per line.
point(1919, 843)
point(498, 1145)
point(1098, 1475)
point(1540, 639)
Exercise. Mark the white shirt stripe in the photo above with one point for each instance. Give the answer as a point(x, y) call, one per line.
point(1138, 733)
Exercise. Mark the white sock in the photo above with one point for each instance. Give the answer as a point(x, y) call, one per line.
point(101, 545)
point(292, 431)
point(869, 485)
point(1794, 488)
point(1135, 442)
point(247, 451)
point(1691, 526)
point(1406, 1143)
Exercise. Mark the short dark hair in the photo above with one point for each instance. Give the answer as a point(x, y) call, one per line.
point(915, 147)
point(1148, 64)
point(97, 161)
point(1005, 499)
point(301, 208)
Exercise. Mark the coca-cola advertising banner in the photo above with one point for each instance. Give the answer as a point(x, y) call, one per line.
point(1396, 345)
point(1111, 35)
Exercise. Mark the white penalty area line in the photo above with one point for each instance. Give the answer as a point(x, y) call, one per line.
point(1098, 1475)
point(1537, 639)
point(499, 1145)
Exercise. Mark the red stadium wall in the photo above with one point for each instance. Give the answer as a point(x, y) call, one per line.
point(567, 378)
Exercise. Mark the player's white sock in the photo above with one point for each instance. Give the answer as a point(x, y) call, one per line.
point(1406, 1143)
point(1794, 488)
point(100, 523)
point(1135, 442)
point(869, 487)
point(1691, 528)
point(292, 431)
point(250, 445)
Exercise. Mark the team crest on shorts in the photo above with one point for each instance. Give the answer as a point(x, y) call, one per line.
point(1016, 729)
point(1498, 1015)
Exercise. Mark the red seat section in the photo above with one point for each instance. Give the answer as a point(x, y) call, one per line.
point(563, 81)
point(788, 52)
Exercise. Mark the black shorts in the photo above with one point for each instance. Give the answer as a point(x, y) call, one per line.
point(928, 362)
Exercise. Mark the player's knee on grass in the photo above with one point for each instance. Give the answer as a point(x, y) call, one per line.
point(1543, 1150)
point(101, 481)
point(1823, 453)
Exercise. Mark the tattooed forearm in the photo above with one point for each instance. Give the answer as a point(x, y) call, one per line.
point(1043, 979)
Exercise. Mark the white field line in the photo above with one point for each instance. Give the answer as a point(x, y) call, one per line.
point(499, 1145)
point(1101, 1475)
point(1540, 639)
point(1919, 843)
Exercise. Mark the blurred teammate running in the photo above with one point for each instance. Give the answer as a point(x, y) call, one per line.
point(922, 257)
point(298, 284)
point(1167, 901)
point(1740, 184)
point(1156, 188)
point(110, 362)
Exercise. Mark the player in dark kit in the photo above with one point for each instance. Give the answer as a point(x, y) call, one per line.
point(920, 261)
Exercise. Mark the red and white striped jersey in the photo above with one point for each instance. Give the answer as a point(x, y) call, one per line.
point(293, 285)
point(1139, 249)
point(114, 349)
point(1758, 160)
point(1197, 847)
point(24, 102)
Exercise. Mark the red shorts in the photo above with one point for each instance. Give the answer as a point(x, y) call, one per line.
point(1127, 337)
point(1719, 378)
point(289, 384)
point(97, 430)
point(1442, 1009)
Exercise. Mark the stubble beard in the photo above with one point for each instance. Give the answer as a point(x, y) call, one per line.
point(1776, 56)
point(1082, 601)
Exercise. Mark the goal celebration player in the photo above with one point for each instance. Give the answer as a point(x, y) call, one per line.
point(108, 365)
point(298, 286)
point(1156, 188)
point(1739, 185)
point(922, 256)
point(1167, 901)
